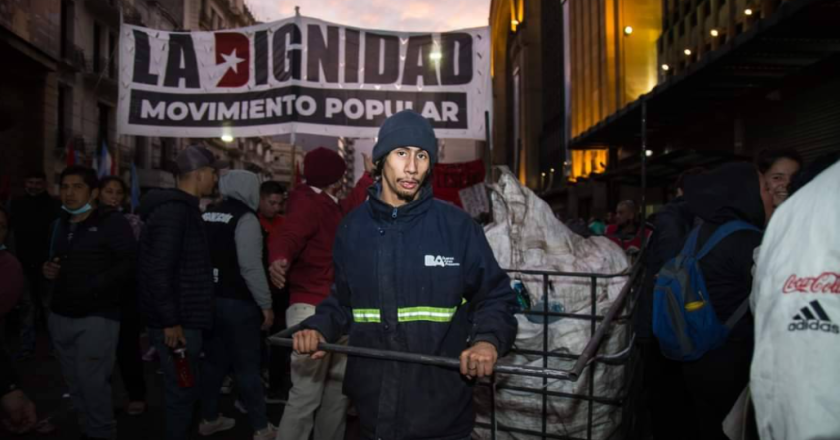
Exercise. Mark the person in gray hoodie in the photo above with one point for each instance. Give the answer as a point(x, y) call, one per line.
point(243, 301)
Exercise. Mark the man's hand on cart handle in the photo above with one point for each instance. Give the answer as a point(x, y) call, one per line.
point(478, 361)
point(306, 342)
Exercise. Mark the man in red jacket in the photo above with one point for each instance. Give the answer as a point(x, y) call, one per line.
point(301, 256)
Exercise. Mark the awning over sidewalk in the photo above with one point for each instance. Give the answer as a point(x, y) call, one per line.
point(799, 35)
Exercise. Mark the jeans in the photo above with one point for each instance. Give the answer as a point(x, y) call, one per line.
point(316, 398)
point(234, 343)
point(179, 402)
point(86, 349)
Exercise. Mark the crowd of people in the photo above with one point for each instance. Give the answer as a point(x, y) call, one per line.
point(206, 282)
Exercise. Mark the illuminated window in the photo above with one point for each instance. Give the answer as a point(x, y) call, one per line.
point(588, 162)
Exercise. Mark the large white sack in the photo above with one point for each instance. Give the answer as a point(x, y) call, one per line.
point(525, 235)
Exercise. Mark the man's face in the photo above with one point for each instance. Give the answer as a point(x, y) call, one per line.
point(777, 179)
point(4, 227)
point(623, 215)
point(404, 172)
point(271, 205)
point(207, 179)
point(34, 185)
point(75, 193)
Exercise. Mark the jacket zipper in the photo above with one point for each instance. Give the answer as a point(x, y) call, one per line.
point(394, 214)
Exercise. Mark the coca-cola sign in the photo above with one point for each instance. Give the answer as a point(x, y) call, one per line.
point(827, 282)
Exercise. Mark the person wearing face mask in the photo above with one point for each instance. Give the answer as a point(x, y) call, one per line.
point(777, 168)
point(112, 194)
point(29, 226)
point(91, 254)
point(175, 282)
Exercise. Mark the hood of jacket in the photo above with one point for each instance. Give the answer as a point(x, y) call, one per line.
point(241, 185)
point(730, 192)
point(159, 197)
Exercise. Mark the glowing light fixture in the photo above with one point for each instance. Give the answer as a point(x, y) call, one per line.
point(748, 11)
point(226, 138)
point(648, 153)
point(552, 170)
point(435, 56)
point(714, 32)
point(687, 52)
point(628, 30)
point(665, 67)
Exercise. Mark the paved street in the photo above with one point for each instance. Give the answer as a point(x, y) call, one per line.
point(42, 381)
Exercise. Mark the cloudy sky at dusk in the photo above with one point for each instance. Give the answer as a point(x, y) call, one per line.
point(396, 15)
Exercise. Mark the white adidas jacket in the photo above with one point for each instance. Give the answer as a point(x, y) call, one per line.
point(795, 381)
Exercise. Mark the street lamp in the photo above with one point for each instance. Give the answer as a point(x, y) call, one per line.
point(687, 52)
point(648, 153)
point(665, 67)
point(714, 32)
point(748, 11)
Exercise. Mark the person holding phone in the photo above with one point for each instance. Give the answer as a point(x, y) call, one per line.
point(92, 253)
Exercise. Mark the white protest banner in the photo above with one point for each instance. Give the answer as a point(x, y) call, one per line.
point(300, 75)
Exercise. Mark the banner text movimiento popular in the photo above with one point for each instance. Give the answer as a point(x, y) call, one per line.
point(302, 75)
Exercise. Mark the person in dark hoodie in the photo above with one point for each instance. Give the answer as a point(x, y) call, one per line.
point(417, 275)
point(91, 254)
point(175, 277)
point(243, 301)
point(731, 192)
point(665, 395)
point(31, 217)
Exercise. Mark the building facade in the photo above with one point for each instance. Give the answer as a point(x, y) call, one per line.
point(32, 47)
point(61, 96)
point(733, 77)
point(528, 121)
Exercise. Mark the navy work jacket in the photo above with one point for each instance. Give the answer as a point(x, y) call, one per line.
point(420, 278)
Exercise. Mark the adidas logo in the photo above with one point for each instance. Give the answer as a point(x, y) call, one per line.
point(813, 317)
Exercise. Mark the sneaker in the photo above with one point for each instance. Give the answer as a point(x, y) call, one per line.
point(222, 423)
point(150, 355)
point(136, 408)
point(240, 406)
point(269, 433)
point(227, 385)
point(276, 397)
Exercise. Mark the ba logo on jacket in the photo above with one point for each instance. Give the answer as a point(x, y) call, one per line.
point(813, 318)
point(438, 261)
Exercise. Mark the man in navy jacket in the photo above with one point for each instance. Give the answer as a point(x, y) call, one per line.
point(413, 274)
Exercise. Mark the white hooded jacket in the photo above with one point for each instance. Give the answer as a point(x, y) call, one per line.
point(795, 380)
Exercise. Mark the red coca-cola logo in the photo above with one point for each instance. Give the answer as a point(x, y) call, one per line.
point(827, 282)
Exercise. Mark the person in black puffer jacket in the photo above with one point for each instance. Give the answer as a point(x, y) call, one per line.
point(176, 278)
point(91, 253)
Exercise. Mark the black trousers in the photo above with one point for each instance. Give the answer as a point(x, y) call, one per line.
point(129, 358)
point(665, 399)
point(714, 383)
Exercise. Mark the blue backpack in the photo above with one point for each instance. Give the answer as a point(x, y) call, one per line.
point(684, 320)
